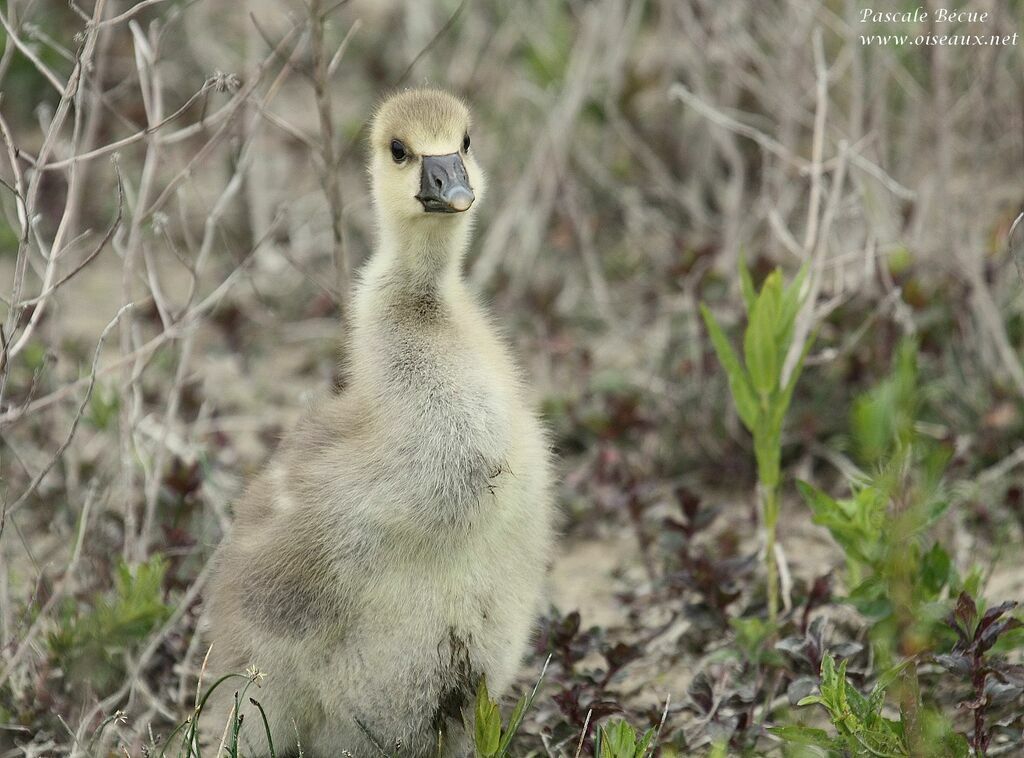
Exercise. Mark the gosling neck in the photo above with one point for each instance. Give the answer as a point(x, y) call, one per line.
point(423, 256)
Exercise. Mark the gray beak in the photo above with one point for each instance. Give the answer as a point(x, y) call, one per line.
point(444, 186)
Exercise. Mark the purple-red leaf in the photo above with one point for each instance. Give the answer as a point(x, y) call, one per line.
point(994, 613)
point(956, 663)
point(966, 611)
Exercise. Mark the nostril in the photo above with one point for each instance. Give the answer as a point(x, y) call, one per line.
point(438, 182)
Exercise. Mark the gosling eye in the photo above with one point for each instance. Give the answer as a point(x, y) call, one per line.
point(465, 143)
point(398, 151)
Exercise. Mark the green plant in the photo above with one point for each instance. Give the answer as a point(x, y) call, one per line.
point(759, 390)
point(752, 634)
point(897, 575)
point(489, 738)
point(89, 642)
point(719, 749)
point(883, 418)
point(190, 743)
point(617, 739)
point(892, 577)
point(858, 720)
point(860, 726)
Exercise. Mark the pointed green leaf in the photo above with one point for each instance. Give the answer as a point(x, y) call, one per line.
point(792, 299)
point(488, 722)
point(623, 739)
point(820, 503)
point(644, 744)
point(513, 725)
point(759, 348)
point(794, 288)
point(936, 569)
point(804, 735)
point(739, 385)
point(786, 396)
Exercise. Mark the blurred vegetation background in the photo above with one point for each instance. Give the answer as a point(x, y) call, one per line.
point(206, 164)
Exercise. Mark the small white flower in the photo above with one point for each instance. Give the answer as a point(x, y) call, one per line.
point(255, 675)
point(223, 82)
point(160, 220)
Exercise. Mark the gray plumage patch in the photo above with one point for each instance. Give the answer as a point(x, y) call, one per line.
point(458, 682)
point(414, 304)
point(292, 595)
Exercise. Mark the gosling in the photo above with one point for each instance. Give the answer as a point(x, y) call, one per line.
point(394, 550)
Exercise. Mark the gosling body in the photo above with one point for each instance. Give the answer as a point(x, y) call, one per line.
point(394, 550)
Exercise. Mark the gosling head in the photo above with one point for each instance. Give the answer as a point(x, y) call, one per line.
point(422, 167)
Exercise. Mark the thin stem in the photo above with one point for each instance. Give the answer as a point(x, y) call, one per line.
point(980, 738)
point(771, 517)
point(329, 180)
point(910, 702)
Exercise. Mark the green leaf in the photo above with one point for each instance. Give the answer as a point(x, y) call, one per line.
point(887, 677)
point(751, 634)
point(644, 743)
point(513, 725)
point(623, 739)
point(781, 404)
point(742, 393)
point(882, 419)
point(793, 290)
point(788, 309)
point(90, 643)
point(935, 510)
point(820, 504)
point(488, 722)
point(759, 348)
point(266, 727)
point(516, 719)
point(805, 735)
point(719, 749)
point(617, 739)
point(935, 569)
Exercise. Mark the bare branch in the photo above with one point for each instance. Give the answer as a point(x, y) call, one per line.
point(329, 179)
point(91, 256)
point(130, 13)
